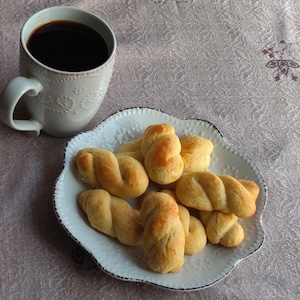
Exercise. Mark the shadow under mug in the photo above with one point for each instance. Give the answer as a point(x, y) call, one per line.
point(60, 103)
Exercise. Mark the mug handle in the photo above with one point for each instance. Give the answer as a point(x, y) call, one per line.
point(9, 98)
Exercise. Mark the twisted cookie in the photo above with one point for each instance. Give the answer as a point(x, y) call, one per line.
point(195, 236)
point(222, 228)
point(133, 149)
point(161, 151)
point(195, 153)
point(121, 175)
point(163, 239)
point(206, 191)
point(112, 216)
point(194, 231)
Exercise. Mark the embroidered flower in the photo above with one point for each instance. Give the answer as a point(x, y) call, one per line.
point(282, 60)
point(277, 77)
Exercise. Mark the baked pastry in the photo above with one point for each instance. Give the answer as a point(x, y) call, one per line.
point(112, 216)
point(164, 238)
point(195, 236)
point(161, 151)
point(222, 228)
point(206, 191)
point(195, 153)
point(133, 149)
point(121, 175)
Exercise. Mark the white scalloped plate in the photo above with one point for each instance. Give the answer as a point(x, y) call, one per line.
point(129, 263)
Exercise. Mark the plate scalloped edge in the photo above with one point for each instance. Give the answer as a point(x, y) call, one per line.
point(133, 127)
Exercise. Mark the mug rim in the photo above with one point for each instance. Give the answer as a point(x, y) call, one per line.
point(24, 37)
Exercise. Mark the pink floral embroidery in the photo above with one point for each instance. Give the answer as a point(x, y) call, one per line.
point(281, 60)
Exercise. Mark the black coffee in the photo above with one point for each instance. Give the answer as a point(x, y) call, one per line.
point(68, 46)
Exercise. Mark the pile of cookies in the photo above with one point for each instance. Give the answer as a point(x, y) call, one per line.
point(190, 206)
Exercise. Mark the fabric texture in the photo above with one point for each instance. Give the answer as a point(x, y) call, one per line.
point(234, 63)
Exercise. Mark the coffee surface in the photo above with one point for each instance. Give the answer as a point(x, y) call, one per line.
point(68, 46)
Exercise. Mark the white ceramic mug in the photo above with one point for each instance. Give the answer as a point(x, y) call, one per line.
point(60, 103)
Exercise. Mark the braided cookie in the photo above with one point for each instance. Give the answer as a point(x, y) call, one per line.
point(161, 151)
point(112, 216)
point(133, 149)
point(164, 238)
point(121, 175)
point(195, 153)
point(222, 228)
point(206, 191)
point(195, 236)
